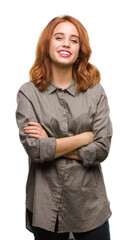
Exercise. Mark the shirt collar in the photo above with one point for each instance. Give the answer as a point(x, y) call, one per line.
point(71, 89)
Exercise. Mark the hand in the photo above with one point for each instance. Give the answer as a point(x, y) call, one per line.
point(35, 130)
point(73, 155)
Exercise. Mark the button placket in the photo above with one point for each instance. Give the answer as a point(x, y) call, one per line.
point(63, 110)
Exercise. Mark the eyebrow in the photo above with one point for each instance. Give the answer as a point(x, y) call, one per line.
point(72, 35)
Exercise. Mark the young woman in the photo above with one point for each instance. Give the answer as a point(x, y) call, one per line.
point(64, 126)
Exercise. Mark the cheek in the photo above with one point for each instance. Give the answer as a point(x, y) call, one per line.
point(53, 49)
point(76, 53)
point(50, 50)
point(76, 50)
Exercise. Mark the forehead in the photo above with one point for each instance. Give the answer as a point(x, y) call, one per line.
point(66, 28)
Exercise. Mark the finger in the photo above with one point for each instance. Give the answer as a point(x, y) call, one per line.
point(32, 131)
point(32, 127)
point(34, 123)
point(34, 135)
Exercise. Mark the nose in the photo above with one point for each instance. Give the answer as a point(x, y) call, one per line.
point(66, 43)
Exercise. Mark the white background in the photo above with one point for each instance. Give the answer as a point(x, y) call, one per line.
point(21, 23)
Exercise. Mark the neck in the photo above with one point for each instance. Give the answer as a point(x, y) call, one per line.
point(62, 75)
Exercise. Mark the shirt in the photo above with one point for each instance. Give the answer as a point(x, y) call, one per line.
point(74, 190)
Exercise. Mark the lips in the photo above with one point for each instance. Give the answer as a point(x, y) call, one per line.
point(64, 53)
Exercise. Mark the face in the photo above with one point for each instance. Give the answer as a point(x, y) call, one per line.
point(64, 44)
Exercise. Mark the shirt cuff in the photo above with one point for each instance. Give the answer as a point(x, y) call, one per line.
point(88, 155)
point(47, 149)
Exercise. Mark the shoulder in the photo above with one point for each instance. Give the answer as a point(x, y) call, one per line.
point(97, 90)
point(96, 93)
point(28, 88)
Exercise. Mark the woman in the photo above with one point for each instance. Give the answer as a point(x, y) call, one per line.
point(64, 126)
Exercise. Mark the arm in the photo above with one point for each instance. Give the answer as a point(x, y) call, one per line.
point(41, 149)
point(64, 146)
point(73, 155)
point(67, 145)
point(35, 140)
point(97, 151)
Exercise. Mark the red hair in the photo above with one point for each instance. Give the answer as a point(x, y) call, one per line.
point(84, 73)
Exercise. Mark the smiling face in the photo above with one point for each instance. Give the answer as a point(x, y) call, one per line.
point(64, 44)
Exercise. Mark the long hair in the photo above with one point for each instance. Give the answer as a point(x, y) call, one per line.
point(84, 73)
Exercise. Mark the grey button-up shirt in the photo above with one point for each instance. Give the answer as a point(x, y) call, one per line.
point(74, 190)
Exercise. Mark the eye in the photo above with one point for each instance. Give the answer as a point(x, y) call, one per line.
point(58, 38)
point(74, 41)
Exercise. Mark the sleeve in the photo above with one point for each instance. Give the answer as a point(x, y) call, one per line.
point(97, 151)
point(38, 149)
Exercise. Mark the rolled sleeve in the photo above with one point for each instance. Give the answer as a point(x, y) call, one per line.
point(41, 149)
point(97, 151)
point(87, 154)
point(47, 148)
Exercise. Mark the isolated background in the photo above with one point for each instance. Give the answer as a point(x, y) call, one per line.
point(21, 23)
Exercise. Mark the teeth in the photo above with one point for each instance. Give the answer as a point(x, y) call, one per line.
point(65, 52)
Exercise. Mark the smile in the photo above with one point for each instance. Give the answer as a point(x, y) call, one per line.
point(64, 53)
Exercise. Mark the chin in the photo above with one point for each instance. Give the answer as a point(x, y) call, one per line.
point(63, 63)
